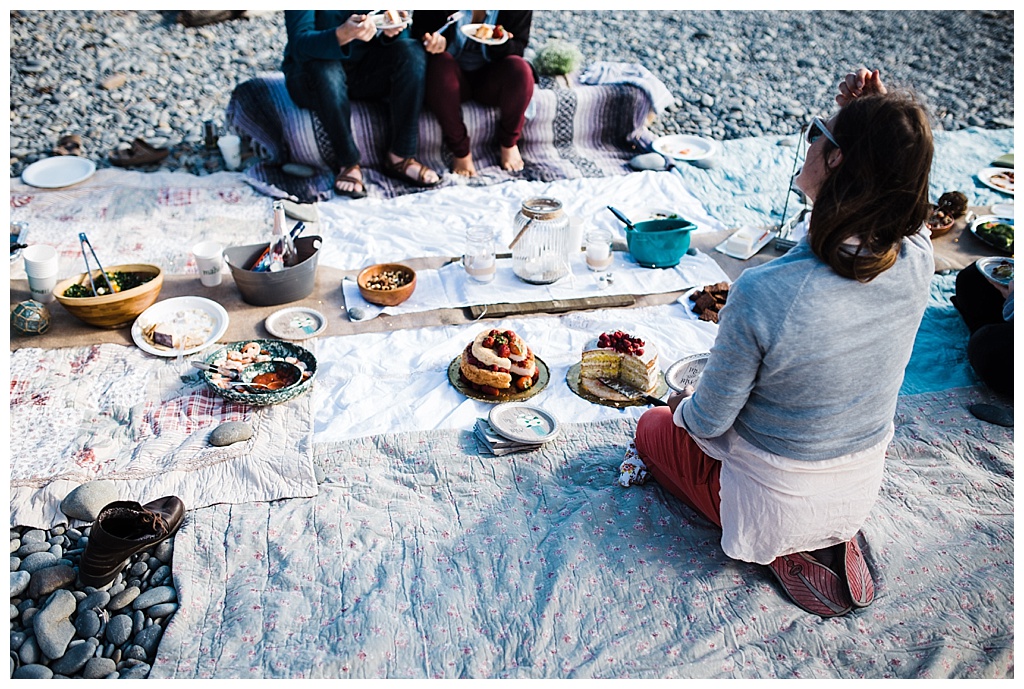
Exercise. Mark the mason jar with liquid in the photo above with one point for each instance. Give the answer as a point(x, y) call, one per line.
point(541, 244)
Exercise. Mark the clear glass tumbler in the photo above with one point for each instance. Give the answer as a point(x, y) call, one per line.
point(599, 249)
point(479, 257)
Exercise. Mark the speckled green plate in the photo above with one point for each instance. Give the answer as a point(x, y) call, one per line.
point(277, 349)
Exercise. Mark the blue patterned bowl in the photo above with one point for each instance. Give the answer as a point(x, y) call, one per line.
point(275, 349)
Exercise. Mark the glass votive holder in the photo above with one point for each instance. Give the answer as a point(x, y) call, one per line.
point(599, 249)
point(479, 260)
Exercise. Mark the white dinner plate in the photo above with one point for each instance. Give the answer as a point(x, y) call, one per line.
point(186, 310)
point(523, 423)
point(1003, 209)
point(989, 265)
point(58, 171)
point(686, 371)
point(470, 31)
point(991, 177)
point(295, 323)
point(684, 147)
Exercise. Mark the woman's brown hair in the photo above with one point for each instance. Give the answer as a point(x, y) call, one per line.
point(878, 193)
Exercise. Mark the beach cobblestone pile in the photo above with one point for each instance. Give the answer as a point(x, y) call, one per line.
point(112, 76)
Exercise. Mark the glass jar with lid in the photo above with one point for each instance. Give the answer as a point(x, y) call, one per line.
point(541, 242)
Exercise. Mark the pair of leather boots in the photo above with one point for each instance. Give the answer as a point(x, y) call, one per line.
point(123, 528)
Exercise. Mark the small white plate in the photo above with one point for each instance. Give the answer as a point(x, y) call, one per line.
point(58, 171)
point(766, 237)
point(295, 323)
point(523, 423)
point(1003, 209)
point(990, 177)
point(166, 310)
point(382, 22)
point(684, 147)
point(470, 31)
point(686, 371)
point(989, 265)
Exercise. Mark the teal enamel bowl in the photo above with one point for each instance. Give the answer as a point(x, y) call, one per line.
point(659, 243)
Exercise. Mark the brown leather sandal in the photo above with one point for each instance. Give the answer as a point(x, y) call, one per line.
point(398, 169)
point(139, 153)
point(346, 176)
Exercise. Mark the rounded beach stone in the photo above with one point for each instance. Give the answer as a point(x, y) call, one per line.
point(33, 547)
point(119, 629)
point(34, 536)
point(15, 563)
point(46, 581)
point(33, 671)
point(28, 652)
point(155, 596)
point(87, 624)
point(19, 582)
point(124, 598)
point(75, 658)
point(140, 671)
point(149, 639)
point(37, 561)
point(135, 652)
point(230, 432)
point(52, 624)
point(98, 668)
point(86, 501)
point(97, 600)
point(161, 610)
point(164, 551)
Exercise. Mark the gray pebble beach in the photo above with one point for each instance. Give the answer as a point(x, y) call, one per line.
point(112, 76)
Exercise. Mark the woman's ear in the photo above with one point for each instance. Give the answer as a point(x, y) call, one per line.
point(835, 157)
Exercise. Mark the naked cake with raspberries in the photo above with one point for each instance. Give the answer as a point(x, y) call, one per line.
point(620, 356)
point(498, 362)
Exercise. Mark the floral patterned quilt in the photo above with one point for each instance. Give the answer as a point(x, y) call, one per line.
point(420, 558)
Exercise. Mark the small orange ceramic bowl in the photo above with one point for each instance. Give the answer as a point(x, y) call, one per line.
point(386, 284)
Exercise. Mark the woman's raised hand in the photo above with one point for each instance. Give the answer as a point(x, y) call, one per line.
point(434, 43)
point(859, 83)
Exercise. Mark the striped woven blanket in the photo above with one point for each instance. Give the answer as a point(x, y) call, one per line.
point(582, 131)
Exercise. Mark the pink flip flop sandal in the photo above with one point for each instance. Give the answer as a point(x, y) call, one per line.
point(811, 585)
point(859, 583)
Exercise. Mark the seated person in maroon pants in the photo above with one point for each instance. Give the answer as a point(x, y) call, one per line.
point(460, 68)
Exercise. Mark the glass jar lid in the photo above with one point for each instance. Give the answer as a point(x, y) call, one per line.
point(542, 208)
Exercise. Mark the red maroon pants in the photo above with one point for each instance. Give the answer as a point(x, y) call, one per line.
point(678, 464)
point(506, 83)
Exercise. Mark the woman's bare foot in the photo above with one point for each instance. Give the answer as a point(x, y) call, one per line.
point(511, 160)
point(416, 171)
point(464, 166)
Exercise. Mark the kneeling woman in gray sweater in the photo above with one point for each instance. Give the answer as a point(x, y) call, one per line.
point(783, 442)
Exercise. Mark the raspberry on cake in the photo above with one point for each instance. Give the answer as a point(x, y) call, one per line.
point(621, 356)
point(497, 362)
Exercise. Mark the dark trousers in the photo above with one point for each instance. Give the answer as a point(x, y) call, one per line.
point(990, 349)
point(393, 72)
point(506, 83)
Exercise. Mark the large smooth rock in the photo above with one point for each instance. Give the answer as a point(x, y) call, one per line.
point(86, 501)
point(87, 624)
point(230, 432)
point(155, 596)
point(124, 598)
point(119, 629)
point(75, 658)
point(52, 624)
point(37, 561)
point(149, 639)
point(46, 581)
point(33, 671)
point(98, 668)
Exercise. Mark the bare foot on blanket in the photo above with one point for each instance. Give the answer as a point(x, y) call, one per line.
point(464, 166)
point(511, 160)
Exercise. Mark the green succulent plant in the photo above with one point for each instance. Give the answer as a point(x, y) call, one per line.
point(557, 58)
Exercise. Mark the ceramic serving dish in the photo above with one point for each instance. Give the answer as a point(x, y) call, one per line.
point(275, 350)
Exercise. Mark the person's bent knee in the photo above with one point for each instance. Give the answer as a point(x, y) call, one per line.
point(653, 424)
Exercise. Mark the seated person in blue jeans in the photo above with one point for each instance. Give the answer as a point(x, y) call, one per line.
point(333, 56)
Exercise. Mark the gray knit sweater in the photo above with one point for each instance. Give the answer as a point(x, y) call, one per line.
point(808, 364)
